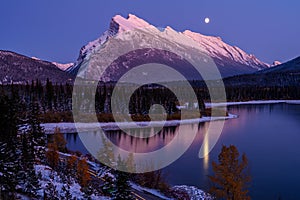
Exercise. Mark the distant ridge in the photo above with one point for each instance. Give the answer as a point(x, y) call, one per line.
point(17, 68)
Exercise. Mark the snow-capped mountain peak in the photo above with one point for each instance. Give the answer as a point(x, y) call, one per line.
point(276, 62)
point(120, 24)
point(231, 60)
point(63, 66)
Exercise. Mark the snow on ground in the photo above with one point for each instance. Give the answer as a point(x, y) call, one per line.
point(23, 197)
point(151, 191)
point(82, 127)
point(70, 127)
point(209, 105)
point(194, 192)
point(50, 176)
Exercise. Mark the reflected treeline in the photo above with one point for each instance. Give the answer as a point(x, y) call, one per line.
point(255, 108)
point(137, 140)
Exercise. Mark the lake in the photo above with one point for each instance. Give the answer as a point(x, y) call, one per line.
point(268, 134)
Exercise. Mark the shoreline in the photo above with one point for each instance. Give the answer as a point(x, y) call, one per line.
point(69, 127)
point(253, 102)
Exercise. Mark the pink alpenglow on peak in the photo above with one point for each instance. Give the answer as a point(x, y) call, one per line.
point(120, 24)
point(230, 60)
point(216, 48)
point(276, 62)
point(117, 25)
point(63, 66)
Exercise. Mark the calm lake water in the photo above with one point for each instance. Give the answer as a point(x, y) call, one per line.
point(268, 134)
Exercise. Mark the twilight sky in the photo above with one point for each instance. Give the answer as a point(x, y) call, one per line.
point(55, 30)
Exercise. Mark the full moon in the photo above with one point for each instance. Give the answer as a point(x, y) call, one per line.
point(206, 20)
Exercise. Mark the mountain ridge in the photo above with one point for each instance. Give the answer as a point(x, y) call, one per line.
point(18, 68)
point(285, 74)
point(229, 58)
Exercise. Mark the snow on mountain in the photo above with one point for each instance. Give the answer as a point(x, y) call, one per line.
point(216, 48)
point(290, 67)
point(230, 60)
point(120, 24)
point(63, 66)
point(275, 63)
point(35, 58)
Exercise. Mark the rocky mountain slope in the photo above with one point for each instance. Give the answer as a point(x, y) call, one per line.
point(16, 68)
point(229, 59)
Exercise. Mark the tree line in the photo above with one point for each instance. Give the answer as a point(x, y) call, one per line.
point(55, 100)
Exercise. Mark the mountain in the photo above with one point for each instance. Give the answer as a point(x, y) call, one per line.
point(290, 67)
point(276, 62)
point(230, 60)
point(286, 74)
point(63, 66)
point(18, 68)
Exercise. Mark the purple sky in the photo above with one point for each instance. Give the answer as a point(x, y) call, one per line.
point(55, 30)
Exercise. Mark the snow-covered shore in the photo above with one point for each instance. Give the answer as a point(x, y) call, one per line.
point(209, 105)
point(70, 127)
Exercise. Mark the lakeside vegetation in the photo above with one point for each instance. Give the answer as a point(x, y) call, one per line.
point(25, 148)
point(55, 100)
point(22, 138)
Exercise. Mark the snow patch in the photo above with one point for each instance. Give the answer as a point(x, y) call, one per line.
point(194, 192)
point(151, 191)
point(35, 58)
point(63, 66)
point(84, 127)
point(216, 48)
point(276, 62)
point(131, 23)
point(209, 105)
point(49, 176)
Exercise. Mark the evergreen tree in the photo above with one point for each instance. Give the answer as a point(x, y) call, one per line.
point(28, 176)
point(123, 190)
point(50, 192)
point(66, 194)
point(231, 178)
point(108, 187)
point(9, 153)
point(49, 94)
point(88, 192)
point(37, 132)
